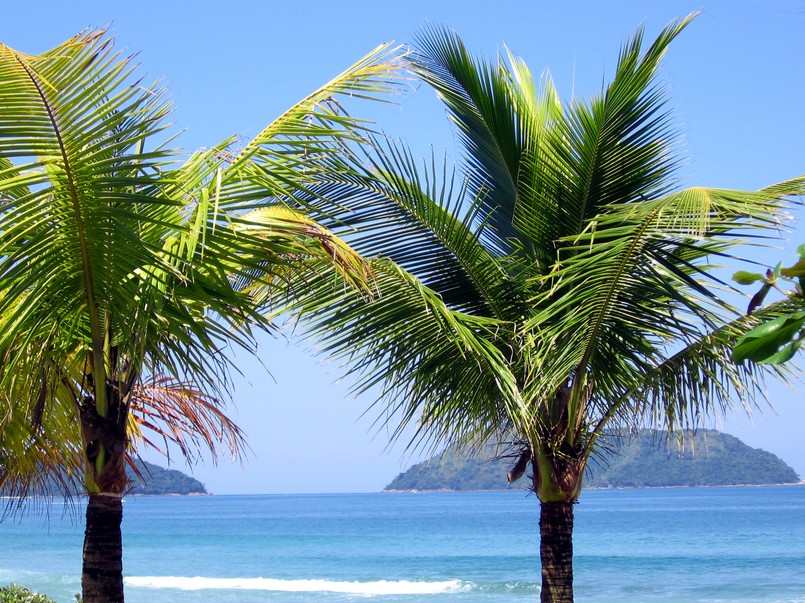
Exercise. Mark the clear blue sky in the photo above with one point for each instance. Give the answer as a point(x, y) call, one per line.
point(737, 78)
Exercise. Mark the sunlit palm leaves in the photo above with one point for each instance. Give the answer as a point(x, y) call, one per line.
point(576, 271)
point(126, 273)
point(560, 285)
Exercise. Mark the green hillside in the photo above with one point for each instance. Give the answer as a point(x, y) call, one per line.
point(707, 458)
point(155, 480)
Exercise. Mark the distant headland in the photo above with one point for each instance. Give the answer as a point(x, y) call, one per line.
point(647, 459)
point(147, 479)
point(157, 481)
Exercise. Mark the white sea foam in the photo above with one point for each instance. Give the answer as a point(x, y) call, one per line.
point(379, 587)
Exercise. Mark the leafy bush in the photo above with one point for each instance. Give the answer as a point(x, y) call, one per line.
point(20, 594)
point(776, 340)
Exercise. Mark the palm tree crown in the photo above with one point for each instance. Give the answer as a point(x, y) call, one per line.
point(564, 283)
point(119, 264)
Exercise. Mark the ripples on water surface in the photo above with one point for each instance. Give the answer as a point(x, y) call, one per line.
point(713, 545)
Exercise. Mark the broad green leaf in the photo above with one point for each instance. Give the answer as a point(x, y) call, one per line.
point(767, 339)
point(786, 353)
point(743, 277)
point(795, 271)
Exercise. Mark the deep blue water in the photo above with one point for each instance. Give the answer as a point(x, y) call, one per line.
point(671, 545)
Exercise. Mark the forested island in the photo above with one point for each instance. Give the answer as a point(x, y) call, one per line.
point(152, 480)
point(645, 460)
point(155, 480)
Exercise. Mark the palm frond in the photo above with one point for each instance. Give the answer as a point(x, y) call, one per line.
point(305, 142)
point(635, 282)
point(477, 96)
point(622, 142)
point(424, 356)
point(699, 381)
point(288, 245)
point(41, 454)
point(415, 215)
point(74, 128)
point(183, 415)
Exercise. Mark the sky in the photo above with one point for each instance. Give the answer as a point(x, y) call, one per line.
point(737, 88)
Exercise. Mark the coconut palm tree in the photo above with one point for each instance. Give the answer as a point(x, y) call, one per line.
point(125, 274)
point(559, 287)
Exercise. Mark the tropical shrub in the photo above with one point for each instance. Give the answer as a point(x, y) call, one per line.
point(19, 594)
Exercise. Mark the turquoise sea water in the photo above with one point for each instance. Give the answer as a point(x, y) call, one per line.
point(667, 545)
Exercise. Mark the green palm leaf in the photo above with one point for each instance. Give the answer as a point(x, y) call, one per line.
point(121, 261)
point(477, 95)
point(564, 234)
point(409, 343)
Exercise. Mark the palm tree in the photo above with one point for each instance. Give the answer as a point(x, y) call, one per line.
point(126, 276)
point(559, 288)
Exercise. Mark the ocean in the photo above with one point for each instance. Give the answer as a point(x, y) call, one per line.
point(714, 545)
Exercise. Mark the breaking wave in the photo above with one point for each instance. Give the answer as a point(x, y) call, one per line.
point(379, 587)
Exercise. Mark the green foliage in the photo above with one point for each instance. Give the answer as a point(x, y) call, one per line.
point(155, 480)
point(129, 272)
point(703, 458)
point(775, 340)
point(152, 480)
point(558, 282)
point(20, 594)
point(649, 459)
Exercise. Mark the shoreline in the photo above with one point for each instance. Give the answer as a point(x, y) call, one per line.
point(598, 488)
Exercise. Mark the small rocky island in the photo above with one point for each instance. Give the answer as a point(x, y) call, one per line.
point(643, 460)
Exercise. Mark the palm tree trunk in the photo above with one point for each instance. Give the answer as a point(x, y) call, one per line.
point(102, 575)
point(105, 478)
point(556, 551)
